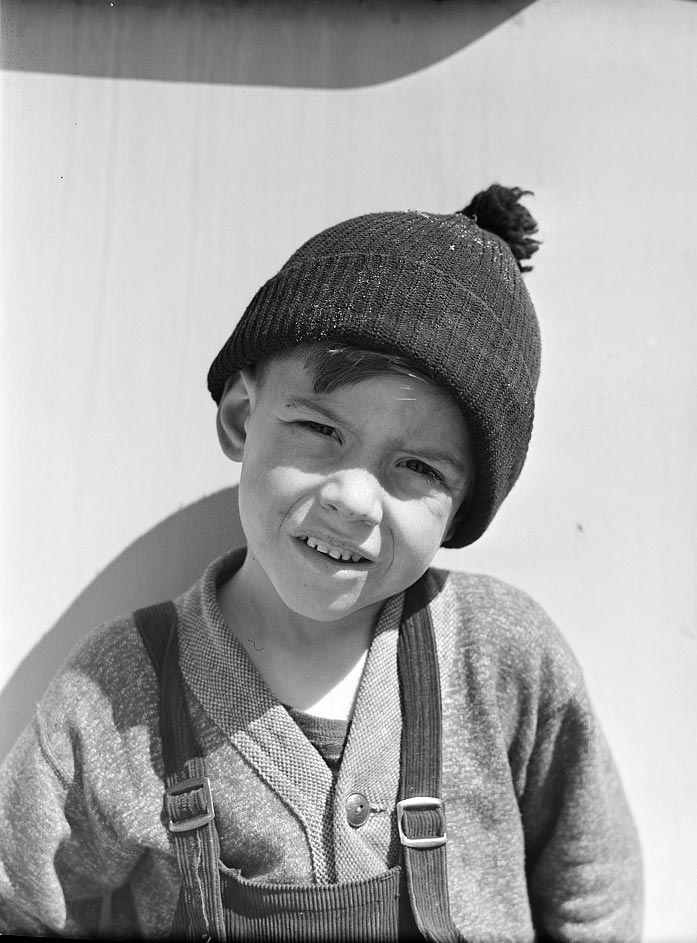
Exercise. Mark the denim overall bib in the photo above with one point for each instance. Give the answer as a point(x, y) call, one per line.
point(406, 902)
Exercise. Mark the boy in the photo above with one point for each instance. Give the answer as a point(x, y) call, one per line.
point(326, 699)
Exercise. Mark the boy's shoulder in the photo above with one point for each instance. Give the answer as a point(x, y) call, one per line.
point(498, 637)
point(108, 686)
point(112, 661)
point(104, 692)
point(489, 604)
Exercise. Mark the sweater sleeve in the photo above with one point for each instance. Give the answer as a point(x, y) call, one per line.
point(50, 863)
point(74, 792)
point(582, 849)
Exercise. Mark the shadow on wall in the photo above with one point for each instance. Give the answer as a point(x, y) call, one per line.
point(291, 43)
point(158, 566)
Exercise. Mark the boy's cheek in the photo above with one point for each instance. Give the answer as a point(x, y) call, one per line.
point(431, 516)
point(271, 490)
point(421, 533)
point(284, 482)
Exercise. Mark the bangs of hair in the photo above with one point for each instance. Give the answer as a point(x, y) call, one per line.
point(333, 366)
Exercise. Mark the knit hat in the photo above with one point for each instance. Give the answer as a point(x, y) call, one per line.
point(440, 290)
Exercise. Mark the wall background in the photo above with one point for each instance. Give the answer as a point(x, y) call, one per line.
point(161, 160)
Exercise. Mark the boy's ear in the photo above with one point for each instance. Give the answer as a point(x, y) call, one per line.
point(233, 412)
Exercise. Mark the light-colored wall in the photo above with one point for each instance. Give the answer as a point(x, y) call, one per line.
point(139, 216)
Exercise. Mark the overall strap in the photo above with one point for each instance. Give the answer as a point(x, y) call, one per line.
point(420, 811)
point(188, 803)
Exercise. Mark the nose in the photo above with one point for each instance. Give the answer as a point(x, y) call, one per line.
point(355, 494)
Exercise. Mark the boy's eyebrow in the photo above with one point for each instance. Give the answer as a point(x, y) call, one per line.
point(435, 454)
point(315, 405)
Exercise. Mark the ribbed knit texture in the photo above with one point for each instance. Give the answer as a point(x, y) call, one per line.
point(436, 289)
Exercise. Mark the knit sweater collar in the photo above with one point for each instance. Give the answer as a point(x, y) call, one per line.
point(226, 683)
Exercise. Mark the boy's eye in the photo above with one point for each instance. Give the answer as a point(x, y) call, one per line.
point(320, 427)
point(416, 465)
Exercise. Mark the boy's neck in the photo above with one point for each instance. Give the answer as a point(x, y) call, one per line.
point(313, 666)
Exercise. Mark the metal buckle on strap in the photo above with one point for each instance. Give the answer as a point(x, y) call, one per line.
point(196, 821)
point(421, 803)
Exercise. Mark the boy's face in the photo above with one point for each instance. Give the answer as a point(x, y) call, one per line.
point(346, 496)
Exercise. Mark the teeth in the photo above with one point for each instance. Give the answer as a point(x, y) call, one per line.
point(333, 552)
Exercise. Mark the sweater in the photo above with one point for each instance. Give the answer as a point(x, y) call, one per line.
point(540, 837)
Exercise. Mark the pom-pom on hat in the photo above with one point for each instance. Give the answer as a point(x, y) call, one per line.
point(440, 290)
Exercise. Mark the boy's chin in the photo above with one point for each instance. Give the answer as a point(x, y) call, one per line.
point(328, 610)
point(329, 604)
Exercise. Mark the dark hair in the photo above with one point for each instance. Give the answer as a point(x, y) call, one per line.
point(335, 365)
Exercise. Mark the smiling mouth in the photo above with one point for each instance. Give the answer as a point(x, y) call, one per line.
point(336, 553)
